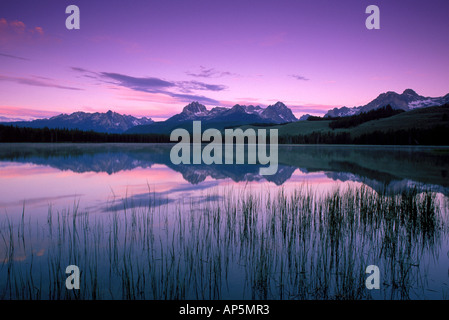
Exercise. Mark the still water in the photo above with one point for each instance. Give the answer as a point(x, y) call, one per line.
point(143, 228)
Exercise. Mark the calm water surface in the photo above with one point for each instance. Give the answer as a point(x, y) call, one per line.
point(123, 185)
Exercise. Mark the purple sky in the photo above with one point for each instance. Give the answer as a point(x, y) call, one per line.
point(151, 58)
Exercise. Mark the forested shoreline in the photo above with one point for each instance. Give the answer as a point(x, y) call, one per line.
point(432, 136)
point(24, 134)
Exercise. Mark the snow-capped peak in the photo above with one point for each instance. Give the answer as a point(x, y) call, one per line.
point(406, 101)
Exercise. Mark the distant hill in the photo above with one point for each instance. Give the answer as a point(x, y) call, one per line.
point(353, 121)
point(113, 122)
point(425, 126)
point(408, 100)
point(430, 124)
point(220, 117)
point(358, 119)
point(305, 117)
point(108, 122)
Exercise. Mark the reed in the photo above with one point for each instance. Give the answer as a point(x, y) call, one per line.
point(229, 244)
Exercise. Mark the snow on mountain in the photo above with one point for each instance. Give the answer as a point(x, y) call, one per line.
point(406, 101)
point(110, 122)
point(423, 103)
point(195, 109)
point(277, 113)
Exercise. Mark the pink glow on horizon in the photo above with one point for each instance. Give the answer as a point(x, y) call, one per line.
point(313, 56)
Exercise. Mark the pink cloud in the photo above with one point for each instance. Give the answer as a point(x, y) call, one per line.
point(39, 30)
point(37, 81)
point(16, 31)
point(17, 26)
point(25, 113)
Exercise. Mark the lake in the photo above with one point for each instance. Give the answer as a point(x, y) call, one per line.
point(140, 227)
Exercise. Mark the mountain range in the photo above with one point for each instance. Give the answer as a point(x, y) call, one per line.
point(277, 113)
point(406, 101)
point(219, 117)
point(110, 122)
point(334, 162)
point(113, 122)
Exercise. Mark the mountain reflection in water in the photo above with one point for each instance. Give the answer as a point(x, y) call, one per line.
point(385, 169)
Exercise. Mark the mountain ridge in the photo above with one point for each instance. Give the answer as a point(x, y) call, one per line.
point(106, 122)
point(113, 122)
point(277, 113)
point(406, 101)
point(220, 117)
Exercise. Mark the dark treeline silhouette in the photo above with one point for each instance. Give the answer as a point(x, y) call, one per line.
point(431, 136)
point(317, 138)
point(355, 120)
point(23, 134)
point(438, 135)
point(317, 118)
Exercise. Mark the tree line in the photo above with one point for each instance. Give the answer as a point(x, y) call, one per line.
point(438, 135)
point(355, 120)
point(9, 133)
point(430, 136)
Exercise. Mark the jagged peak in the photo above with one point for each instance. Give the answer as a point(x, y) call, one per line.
point(407, 100)
point(410, 92)
point(388, 93)
point(238, 107)
point(279, 104)
point(194, 107)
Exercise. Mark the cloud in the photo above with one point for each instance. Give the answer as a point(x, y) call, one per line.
point(20, 113)
point(155, 199)
point(13, 56)
point(156, 85)
point(188, 86)
point(36, 81)
point(159, 198)
point(17, 32)
point(38, 30)
point(180, 90)
point(299, 77)
point(210, 73)
point(11, 119)
point(190, 98)
point(79, 69)
point(141, 84)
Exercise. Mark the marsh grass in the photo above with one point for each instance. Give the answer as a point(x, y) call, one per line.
point(230, 245)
